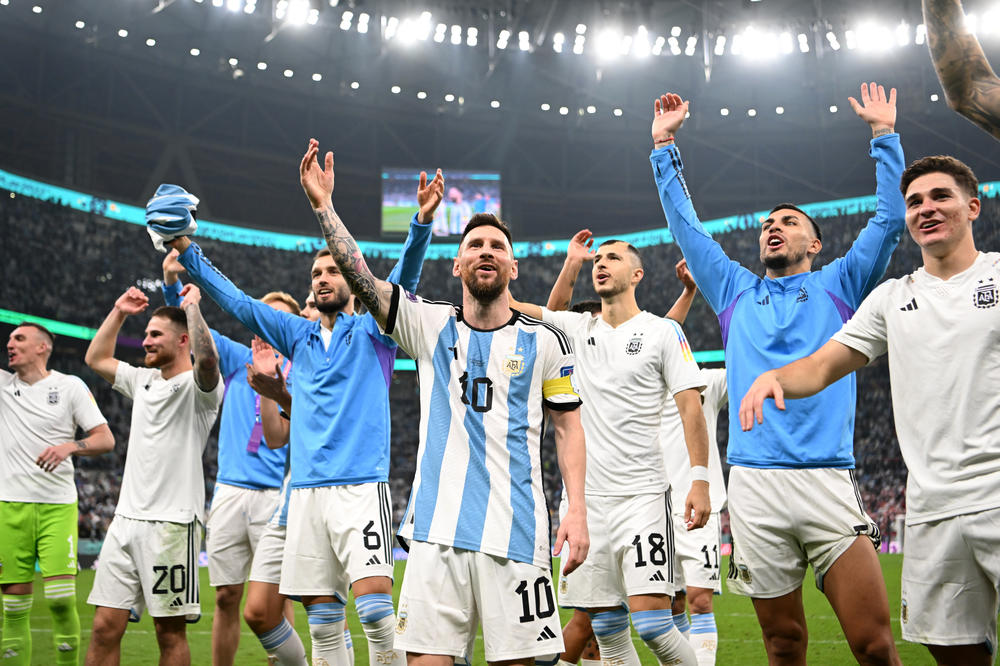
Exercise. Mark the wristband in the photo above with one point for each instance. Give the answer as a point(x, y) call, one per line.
point(699, 473)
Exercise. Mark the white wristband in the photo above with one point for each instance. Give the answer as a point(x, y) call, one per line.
point(699, 473)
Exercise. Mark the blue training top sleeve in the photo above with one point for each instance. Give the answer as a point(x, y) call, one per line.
point(720, 278)
point(232, 354)
point(406, 272)
point(172, 293)
point(863, 265)
point(280, 329)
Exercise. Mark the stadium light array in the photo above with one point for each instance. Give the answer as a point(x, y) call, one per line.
point(803, 42)
point(641, 47)
point(934, 97)
point(692, 43)
point(456, 34)
point(523, 40)
point(563, 110)
point(833, 108)
point(591, 109)
point(261, 65)
point(233, 62)
point(720, 45)
point(80, 25)
point(123, 33)
point(780, 110)
point(4, 2)
point(921, 34)
point(545, 106)
point(390, 26)
point(421, 94)
point(37, 9)
point(558, 40)
point(355, 85)
point(831, 39)
point(752, 113)
point(675, 47)
point(395, 90)
point(617, 113)
point(495, 104)
point(317, 77)
point(288, 73)
point(439, 32)
point(363, 19)
point(449, 97)
point(578, 43)
point(503, 38)
point(724, 112)
point(472, 36)
point(150, 42)
point(195, 52)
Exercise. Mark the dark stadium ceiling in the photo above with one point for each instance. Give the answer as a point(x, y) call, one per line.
point(115, 96)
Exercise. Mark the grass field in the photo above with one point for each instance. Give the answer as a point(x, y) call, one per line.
point(739, 635)
point(396, 219)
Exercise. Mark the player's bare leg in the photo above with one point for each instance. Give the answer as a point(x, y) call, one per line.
point(266, 612)
point(415, 659)
point(783, 626)
point(373, 600)
point(856, 590)
point(171, 636)
point(226, 624)
point(326, 628)
point(106, 636)
point(961, 655)
point(576, 634)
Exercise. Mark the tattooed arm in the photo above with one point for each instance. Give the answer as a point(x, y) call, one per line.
point(206, 358)
point(317, 182)
point(970, 85)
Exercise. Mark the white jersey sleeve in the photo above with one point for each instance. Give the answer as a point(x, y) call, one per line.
point(86, 414)
point(568, 322)
point(680, 372)
point(558, 390)
point(127, 377)
point(866, 331)
point(414, 323)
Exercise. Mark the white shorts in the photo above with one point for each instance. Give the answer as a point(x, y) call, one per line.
point(782, 520)
point(951, 577)
point(446, 590)
point(697, 556)
point(336, 535)
point(631, 552)
point(266, 567)
point(149, 564)
point(236, 522)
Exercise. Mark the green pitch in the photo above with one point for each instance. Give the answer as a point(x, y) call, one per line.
point(396, 219)
point(739, 635)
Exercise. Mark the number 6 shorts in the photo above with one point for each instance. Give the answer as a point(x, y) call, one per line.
point(631, 551)
point(336, 535)
point(149, 564)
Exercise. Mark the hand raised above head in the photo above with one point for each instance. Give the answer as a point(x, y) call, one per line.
point(429, 195)
point(132, 302)
point(581, 246)
point(669, 111)
point(875, 108)
point(316, 180)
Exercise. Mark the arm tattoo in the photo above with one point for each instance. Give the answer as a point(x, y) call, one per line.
point(351, 262)
point(969, 83)
point(81, 444)
point(881, 132)
point(206, 358)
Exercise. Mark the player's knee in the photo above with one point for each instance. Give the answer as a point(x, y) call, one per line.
point(170, 631)
point(877, 648)
point(699, 602)
point(786, 641)
point(256, 617)
point(227, 597)
point(107, 630)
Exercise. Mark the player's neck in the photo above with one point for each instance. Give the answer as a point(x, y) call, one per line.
point(329, 319)
point(801, 267)
point(181, 364)
point(618, 309)
point(30, 374)
point(953, 262)
point(485, 316)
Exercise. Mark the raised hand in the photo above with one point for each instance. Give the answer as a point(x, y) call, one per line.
point(429, 195)
point(264, 375)
point(669, 111)
point(132, 302)
point(875, 108)
point(171, 267)
point(265, 360)
point(581, 247)
point(684, 275)
point(317, 181)
point(191, 295)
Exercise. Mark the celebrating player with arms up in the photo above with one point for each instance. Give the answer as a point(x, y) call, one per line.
point(477, 520)
point(940, 327)
point(40, 411)
point(792, 497)
point(150, 554)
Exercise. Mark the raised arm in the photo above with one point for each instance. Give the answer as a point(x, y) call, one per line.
point(579, 252)
point(171, 281)
point(697, 505)
point(406, 272)
point(317, 182)
point(970, 84)
point(206, 357)
point(799, 379)
point(100, 354)
point(265, 376)
point(572, 455)
point(682, 306)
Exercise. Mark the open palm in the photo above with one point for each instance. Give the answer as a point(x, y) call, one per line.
point(669, 111)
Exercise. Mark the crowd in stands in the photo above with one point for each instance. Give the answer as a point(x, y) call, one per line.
point(71, 266)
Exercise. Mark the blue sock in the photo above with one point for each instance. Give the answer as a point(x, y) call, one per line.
point(682, 623)
point(656, 629)
point(326, 628)
point(378, 619)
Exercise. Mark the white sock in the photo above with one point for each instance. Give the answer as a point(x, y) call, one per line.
point(326, 628)
point(704, 638)
point(656, 628)
point(590, 662)
point(379, 622)
point(349, 643)
point(563, 662)
point(614, 638)
point(283, 645)
point(682, 624)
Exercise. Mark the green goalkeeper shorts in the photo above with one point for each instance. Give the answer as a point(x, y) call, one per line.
point(46, 532)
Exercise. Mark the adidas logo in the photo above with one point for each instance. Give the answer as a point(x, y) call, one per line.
point(547, 634)
point(714, 576)
point(764, 301)
point(176, 603)
point(912, 305)
point(374, 560)
point(658, 576)
point(64, 647)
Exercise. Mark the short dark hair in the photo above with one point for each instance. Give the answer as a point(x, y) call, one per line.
point(46, 332)
point(955, 168)
point(788, 206)
point(593, 307)
point(323, 252)
point(487, 220)
point(628, 246)
point(174, 314)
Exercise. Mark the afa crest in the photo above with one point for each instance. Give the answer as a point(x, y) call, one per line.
point(634, 346)
point(54, 396)
point(513, 365)
point(985, 295)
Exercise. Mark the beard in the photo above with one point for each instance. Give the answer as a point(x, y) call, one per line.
point(159, 359)
point(484, 292)
point(780, 262)
point(337, 303)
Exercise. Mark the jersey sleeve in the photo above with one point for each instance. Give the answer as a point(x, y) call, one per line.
point(207, 401)
point(566, 321)
point(406, 272)
point(558, 391)
point(680, 372)
point(716, 392)
point(232, 355)
point(172, 293)
point(866, 331)
point(865, 262)
point(415, 323)
point(86, 414)
point(127, 377)
point(718, 277)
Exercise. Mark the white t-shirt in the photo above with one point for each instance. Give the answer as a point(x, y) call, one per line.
point(478, 484)
point(624, 375)
point(943, 340)
point(675, 454)
point(171, 419)
point(32, 418)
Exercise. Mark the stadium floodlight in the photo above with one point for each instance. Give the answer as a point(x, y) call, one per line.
point(216, 3)
point(123, 33)
point(250, 7)
point(759, 44)
point(608, 44)
point(675, 31)
point(363, 23)
point(523, 40)
point(317, 77)
point(851, 40)
point(297, 12)
point(831, 38)
point(233, 62)
point(934, 97)
point(785, 44)
point(803, 42)
point(407, 33)
point(313, 17)
point(80, 25)
point(461, 100)
point(641, 47)
point(195, 52)
point(675, 47)
point(692, 43)
point(288, 73)
point(780, 110)
point(495, 104)
point(873, 37)
point(423, 26)
point(658, 45)
point(456, 34)
point(736, 45)
point(421, 95)
point(617, 113)
point(724, 111)
point(563, 110)
point(391, 26)
point(591, 109)
point(234, 5)
point(345, 20)
point(833, 108)
point(472, 36)
point(720, 45)
point(395, 90)
point(921, 34)
point(150, 42)
point(545, 106)
point(4, 2)
point(752, 113)
point(581, 29)
point(578, 44)
point(334, 3)
point(262, 65)
point(440, 32)
point(626, 45)
point(558, 40)
point(449, 98)
point(903, 33)
point(355, 85)
point(502, 39)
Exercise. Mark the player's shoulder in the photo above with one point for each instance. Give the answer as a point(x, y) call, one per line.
point(545, 329)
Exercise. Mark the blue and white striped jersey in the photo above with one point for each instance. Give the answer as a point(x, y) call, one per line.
point(478, 484)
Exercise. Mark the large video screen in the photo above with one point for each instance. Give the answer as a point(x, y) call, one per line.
point(465, 194)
